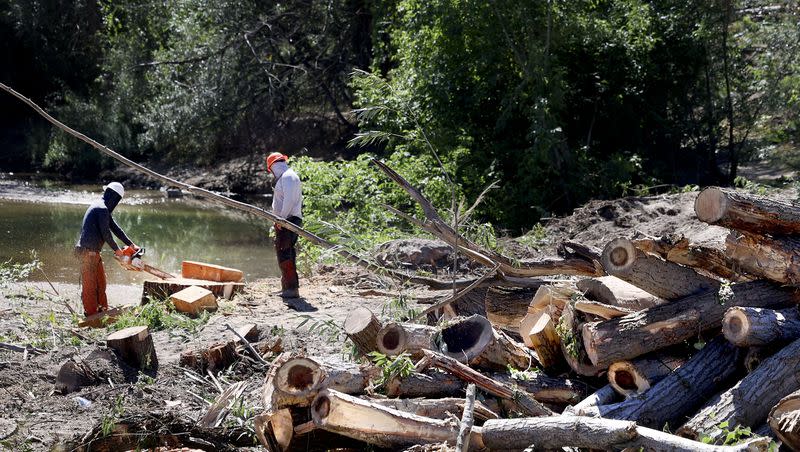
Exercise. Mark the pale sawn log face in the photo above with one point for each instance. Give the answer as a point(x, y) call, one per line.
point(617, 292)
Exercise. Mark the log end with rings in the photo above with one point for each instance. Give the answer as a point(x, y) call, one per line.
point(619, 255)
point(711, 205)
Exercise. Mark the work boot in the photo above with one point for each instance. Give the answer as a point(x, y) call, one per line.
point(290, 293)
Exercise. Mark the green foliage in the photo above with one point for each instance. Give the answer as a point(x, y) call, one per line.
point(569, 339)
point(159, 315)
point(109, 421)
point(729, 437)
point(11, 272)
point(398, 309)
point(399, 366)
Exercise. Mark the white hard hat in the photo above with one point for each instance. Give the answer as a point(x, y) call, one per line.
point(117, 187)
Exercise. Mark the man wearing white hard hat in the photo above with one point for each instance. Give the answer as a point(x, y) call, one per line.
point(98, 225)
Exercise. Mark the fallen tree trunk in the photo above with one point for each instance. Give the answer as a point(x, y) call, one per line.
point(362, 327)
point(473, 340)
point(784, 420)
point(749, 402)
point(711, 259)
point(652, 329)
point(588, 406)
point(396, 338)
point(745, 212)
point(664, 279)
point(773, 258)
point(636, 376)
point(747, 327)
point(613, 291)
point(436, 408)
point(682, 391)
point(585, 432)
point(428, 384)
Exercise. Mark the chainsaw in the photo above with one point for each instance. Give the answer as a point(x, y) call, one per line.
point(132, 260)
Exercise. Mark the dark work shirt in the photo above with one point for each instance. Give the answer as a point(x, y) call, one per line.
point(98, 225)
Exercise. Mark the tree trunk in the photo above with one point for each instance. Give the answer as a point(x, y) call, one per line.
point(436, 408)
point(362, 327)
point(749, 402)
point(774, 258)
point(473, 340)
point(162, 289)
point(748, 327)
point(745, 212)
point(428, 384)
point(505, 307)
point(711, 259)
point(652, 274)
point(212, 358)
point(395, 338)
point(652, 329)
point(135, 346)
point(539, 333)
point(210, 272)
point(617, 292)
point(601, 310)
point(635, 377)
point(681, 392)
point(588, 406)
point(556, 391)
point(285, 430)
point(784, 420)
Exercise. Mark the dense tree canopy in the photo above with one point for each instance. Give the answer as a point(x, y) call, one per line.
point(559, 101)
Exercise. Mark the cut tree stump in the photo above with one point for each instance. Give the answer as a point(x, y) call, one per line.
point(161, 289)
point(193, 300)
point(210, 272)
point(362, 327)
point(213, 358)
point(745, 212)
point(748, 327)
point(784, 420)
point(655, 328)
point(135, 346)
point(652, 274)
point(396, 338)
point(749, 401)
point(539, 333)
point(708, 257)
point(773, 258)
point(613, 291)
point(636, 376)
point(473, 340)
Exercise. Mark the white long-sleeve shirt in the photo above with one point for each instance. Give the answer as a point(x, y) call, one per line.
point(287, 198)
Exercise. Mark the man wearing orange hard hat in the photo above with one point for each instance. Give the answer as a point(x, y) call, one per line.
point(287, 202)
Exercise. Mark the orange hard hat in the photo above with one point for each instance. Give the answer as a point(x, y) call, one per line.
point(275, 157)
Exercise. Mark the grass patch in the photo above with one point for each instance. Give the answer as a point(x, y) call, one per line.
point(159, 315)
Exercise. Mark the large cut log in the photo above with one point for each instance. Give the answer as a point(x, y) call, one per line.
point(210, 272)
point(362, 327)
point(636, 376)
point(708, 257)
point(749, 401)
point(745, 212)
point(193, 300)
point(505, 307)
point(473, 340)
point(538, 331)
point(276, 431)
point(213, 358)
point(296, 380)
point(428, 384)
point(655, 328)
point(774, 258)
point(602, 310)
point(572, 348)
point(613, 291)
point(161, 289)
point(557, 432)
point(588, 406)
point(135, 346)
point(524, 402)
point(784, 420)
point(379, 425)
point(661, 278)
point(747, 327)
point(436, 408)
point(552, 390)
point(680, 393)
point(396, 338)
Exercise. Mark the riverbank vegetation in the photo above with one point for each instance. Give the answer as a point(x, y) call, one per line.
point(560, 102)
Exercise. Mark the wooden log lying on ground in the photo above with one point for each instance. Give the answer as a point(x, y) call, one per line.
point(552, 390)
point(784, 420)
point(773, 258)
point(135, 346)
point(585, 432)
point(193, 300)
point(538, 331)
point(708, 257)
point(161, 289)
point(473, 340)
point(277, 432)
point(664, 279)
point(104, 318)
point(655, 328)
point(429, 384)
point(505, 307)
point(749, 401)
point(436, 408)
point(746, 212)
point(396, 338)
point(747, 327)
point(613, 291)
point(212, 358)
point(601, 310)
point(636, 376)
point(589, 406)
point(362, 327)
point(681, 392)
point(379, 425)
point(524, 402)
point(210, 272)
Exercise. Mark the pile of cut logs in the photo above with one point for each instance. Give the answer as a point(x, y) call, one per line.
point(678, 344)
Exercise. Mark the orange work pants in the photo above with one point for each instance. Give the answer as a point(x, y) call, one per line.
point(93, 283)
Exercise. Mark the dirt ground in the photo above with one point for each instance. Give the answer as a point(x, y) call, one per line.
point(35, 416)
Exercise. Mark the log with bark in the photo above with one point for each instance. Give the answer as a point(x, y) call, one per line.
point(708, 257)
point(589, 405)
point(505, 307)
point(430, 384)
point(613, 291)
point(748, 403)
point(362, 327)
point(444, 408)
point(634, 377)
point(213, 358)
point(286, 430)
point(396, 338)
point(545, 389)
point(784, 420)
point(473, 340)
point(748, 327)
point(773, 258)
point(652, 274)
point(655, 328)
point(135, 346)
point(746, 212)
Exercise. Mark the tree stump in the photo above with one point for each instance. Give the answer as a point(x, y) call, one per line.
point(135, 346)
point(362, 327)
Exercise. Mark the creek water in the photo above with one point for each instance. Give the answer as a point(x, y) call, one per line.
point(171, 231)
